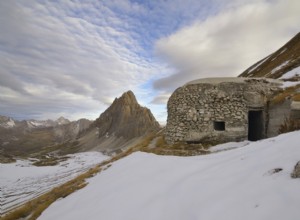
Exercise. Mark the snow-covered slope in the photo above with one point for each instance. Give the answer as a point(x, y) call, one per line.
point(236, 184)
point(21, 181)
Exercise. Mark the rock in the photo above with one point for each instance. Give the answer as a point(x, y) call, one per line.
point(126, 118)
point(296, 172)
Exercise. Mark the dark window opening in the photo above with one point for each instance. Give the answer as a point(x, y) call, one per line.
point(219, 125)
point(255, 125)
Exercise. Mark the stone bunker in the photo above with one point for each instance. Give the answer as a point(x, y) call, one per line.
point(221, 110)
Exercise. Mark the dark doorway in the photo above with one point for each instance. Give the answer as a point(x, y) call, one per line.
point(255, 125)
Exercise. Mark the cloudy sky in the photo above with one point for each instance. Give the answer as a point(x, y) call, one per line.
point(71, 58)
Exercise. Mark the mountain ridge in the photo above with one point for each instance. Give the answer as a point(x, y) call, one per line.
point(126, 118)
point(279, 63)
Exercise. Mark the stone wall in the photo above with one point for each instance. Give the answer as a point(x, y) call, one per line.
point(197, 109)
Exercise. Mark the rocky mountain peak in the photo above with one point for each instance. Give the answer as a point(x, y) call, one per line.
point(128, 98)
point(126, 118)
point(6, 122)
point(61, 121)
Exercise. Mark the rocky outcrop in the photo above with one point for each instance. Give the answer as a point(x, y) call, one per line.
point(69, 131)
point(126, 118)
point(296, 172)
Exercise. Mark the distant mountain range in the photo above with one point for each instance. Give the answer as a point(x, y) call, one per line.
point(28, 136)
point(123, 123)
point(283, 63)
point(7, 122)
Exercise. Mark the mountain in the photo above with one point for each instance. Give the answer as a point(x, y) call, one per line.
point(21, 138)
point(121, 125)
point(47, 123)
point(62, 121)
point(126, 118)
point(283, 63)
point(7, 122)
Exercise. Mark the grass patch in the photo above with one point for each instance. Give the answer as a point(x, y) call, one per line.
point(296, 97)
point(289, 125)
point(60, 149)
point(178, 149)
point(6, 158)
point(289, 92)
point(49, 160)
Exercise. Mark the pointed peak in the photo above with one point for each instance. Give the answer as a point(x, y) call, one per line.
point(62, 120)
point(129, 97)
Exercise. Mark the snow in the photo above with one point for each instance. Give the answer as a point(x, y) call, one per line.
point(38, 123)
point(280, 66)
point(229, 185)
point(289, 84)
point(281, 52)
point(8, 123)
point(11, 123)
point(291, 73)
point(284, 49)
point(21, 181)
point(257, 65)
point(228, 146)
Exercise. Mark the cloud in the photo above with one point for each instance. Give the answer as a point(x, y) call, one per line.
point(161, 99)
point(228, 42)
point(54, 55)
point(65, 58)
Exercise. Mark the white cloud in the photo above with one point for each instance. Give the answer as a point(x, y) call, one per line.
point(227, 43)
point(161, 98)
point(66, 57)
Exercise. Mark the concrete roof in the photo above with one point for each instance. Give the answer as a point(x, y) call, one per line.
point(218, 80)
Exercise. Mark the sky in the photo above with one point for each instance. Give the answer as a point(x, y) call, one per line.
point(72, 58)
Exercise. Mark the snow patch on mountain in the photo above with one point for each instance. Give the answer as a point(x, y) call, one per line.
point(280, 66)
point(7, 122)
point(257, 65)
point(292, 73)
point(249, 182)
point(62, 121)
point(289, 84)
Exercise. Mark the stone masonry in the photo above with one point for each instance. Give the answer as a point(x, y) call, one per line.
point(217, 109)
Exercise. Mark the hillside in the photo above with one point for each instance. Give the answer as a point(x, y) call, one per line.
point(283, 63)
point(252, 181)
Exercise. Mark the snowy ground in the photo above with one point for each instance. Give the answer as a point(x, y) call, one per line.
point(234, 184)
point(21, 181)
